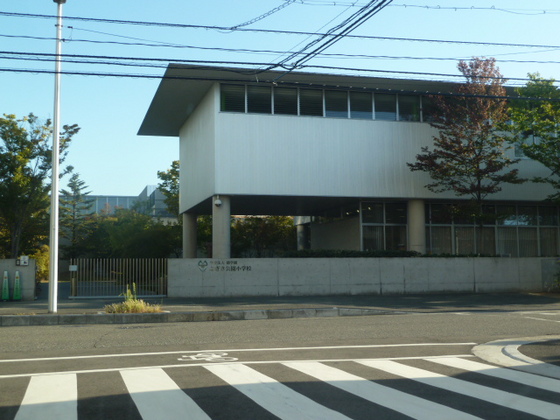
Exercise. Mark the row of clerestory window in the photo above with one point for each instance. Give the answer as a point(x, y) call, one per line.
point(325, 103)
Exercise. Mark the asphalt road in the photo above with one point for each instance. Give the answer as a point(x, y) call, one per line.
point(389, 367)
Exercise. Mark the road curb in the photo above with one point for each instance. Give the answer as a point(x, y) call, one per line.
point(506, 353)
point(195, 316)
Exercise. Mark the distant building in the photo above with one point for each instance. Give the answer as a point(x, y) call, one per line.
point(150, 201)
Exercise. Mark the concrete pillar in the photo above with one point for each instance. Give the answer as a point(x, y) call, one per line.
point(221, 227)
point(189, 235)
point(302, 240)
point(417, 226)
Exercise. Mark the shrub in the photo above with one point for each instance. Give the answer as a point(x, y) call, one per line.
point(131, 304)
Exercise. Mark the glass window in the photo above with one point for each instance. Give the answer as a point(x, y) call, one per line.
point(429, 109)
point(373, 238)
point(336, 103)
point(311, 102)
point(506, 241)
point(464, 241)
point(548, 216)
point(361, 105)
point(409, 108)
point(395, 238)
point(527, 215)
point(488, 242)
point(440, 240)
point(285, 101)
point(549, 242)
point(372, 212)
point(259, 99)
point(440, 214)
point(232, 98)
point(385, 107)
point(507, 216)
point(395, 213)
point(528, 242)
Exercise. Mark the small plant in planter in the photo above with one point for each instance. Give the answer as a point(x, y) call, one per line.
point(131, 304)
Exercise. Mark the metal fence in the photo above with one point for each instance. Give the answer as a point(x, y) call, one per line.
point(112, 277)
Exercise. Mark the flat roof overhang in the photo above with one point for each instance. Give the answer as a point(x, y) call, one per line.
point(274, 205)
point(183, 86)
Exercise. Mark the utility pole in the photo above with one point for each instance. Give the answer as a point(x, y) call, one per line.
point(53, 239)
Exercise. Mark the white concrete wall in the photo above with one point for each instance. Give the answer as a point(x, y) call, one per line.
point(197, 153)
point(353, 276)
point(26, 276)
point(258, 154)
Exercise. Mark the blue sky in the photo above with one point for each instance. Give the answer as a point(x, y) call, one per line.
point(113, 160)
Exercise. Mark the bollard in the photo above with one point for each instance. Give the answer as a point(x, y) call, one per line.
point(17, 287)
point(5, 287)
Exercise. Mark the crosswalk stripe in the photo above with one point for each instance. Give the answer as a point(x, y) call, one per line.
point(402, 402)
point(517, 402)
point(275, 397)
point(52, 397)
point(157, 396)
point(535, 381)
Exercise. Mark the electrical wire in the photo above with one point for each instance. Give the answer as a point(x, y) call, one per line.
point(277, 31)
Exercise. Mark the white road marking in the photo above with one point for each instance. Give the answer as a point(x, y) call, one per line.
point(410, 405)
point(541, 319)
point(157, 396)
point(119, 369)
point(272, 349)
point(50, 398)
point(273, 396)
point(535, 381)
point(517, 402)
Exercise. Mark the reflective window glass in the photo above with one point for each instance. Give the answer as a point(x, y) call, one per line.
point(232, 98)
point(372, 212)
point(259, 99)
point(361, 105)
point(385, 107)
point(311, 102)
point(395, 213)
point(409, 108)
point(285, 101)
point(336, 103)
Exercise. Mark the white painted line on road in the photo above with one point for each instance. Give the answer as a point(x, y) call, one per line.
point(507, 399)
point(541, 319)
point(157, 396)
point(50, 398)
point(273, 396)
point(407, 404)
point(365, 346)
point(535, 381)
point(183, 365)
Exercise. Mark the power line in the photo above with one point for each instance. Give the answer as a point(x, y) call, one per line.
point(281, 82)
point(276, 31)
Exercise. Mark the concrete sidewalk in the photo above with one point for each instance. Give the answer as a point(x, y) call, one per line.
point(85, 311)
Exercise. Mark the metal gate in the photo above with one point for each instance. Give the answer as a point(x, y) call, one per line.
point(111, 277)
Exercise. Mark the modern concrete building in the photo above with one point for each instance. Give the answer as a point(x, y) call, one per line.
point(332, 149)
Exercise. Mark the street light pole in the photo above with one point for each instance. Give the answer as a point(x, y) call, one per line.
point(53, 239)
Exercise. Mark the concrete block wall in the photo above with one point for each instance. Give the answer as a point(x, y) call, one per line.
point(26, 275)
point(353, 276)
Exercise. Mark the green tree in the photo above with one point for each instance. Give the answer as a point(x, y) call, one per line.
point(469, 155)
point(75, 216)
point(534, 126)
point(130, 234)
point(25, 169)
point(263, 236)
point(169, 186)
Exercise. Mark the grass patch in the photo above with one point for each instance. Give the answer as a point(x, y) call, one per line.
point(132, 305)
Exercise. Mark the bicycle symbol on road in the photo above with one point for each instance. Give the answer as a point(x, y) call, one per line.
point(208, 357)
